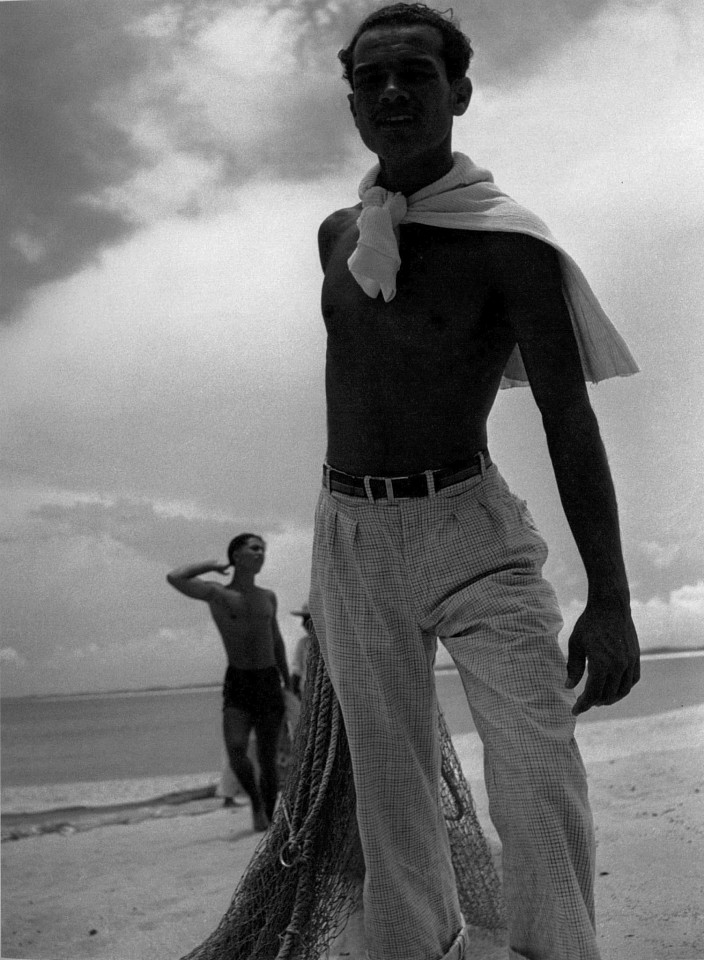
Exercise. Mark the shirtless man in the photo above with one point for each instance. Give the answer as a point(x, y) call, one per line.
point(245, 616)
point(447, 550)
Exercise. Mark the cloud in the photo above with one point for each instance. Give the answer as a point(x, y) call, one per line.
point(118, 115)
point(163, 657)
point(168, 389)
point(60, 61)
point(508, 45)
point(9, 655)
point(160, 535)
point(121, 115)
point(177, 367)
point(166, 657)
point(675, 620)
point(177, 371)
point(661, 555)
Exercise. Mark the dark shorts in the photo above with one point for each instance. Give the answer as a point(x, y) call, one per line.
point(256, 692)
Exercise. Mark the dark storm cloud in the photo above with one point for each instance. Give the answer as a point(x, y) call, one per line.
point(57, 59)
point(62, 64)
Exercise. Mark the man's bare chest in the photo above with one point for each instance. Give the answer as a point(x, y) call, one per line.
point(445, 291)
point(246, 609)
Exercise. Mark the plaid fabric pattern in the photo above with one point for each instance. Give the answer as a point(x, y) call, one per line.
point(465, 566)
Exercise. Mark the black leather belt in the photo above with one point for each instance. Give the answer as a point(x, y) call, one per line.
point(399, 488)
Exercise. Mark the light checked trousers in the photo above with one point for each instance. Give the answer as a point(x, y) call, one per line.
point(464, 565)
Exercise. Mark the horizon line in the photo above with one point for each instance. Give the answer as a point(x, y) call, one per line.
point(657, 653)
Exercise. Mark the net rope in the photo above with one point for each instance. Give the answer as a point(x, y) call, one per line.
point(305, 877)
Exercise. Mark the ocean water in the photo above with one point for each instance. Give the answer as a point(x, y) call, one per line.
point(49, 740)
point(90, 751)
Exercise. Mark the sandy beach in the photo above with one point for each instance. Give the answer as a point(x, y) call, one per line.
point(154, 886)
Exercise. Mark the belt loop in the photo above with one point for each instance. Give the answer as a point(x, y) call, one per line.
point(368, 489)
point(389, 484)
point(482, 465)
point(326, 476)
point(430, 481)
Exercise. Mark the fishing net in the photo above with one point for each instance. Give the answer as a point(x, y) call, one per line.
point(305, 877)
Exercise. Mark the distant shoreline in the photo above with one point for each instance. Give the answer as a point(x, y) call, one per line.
point(128, 692)
point(655, 653)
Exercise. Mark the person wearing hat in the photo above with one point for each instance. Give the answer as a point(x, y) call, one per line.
point(300, 654)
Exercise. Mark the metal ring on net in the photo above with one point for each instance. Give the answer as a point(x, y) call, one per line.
point(290, 854)
point(325, 705)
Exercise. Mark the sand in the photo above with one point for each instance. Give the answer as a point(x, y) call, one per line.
point(154, 889)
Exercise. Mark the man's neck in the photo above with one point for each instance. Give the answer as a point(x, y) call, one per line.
point(243, 581)
point(410, 176)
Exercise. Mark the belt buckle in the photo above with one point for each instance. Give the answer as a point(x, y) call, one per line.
point(409, 480)
point(382, 488)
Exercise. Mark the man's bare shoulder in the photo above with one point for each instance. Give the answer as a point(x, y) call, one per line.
point(224, 593)
point(340, 220)
point(514, 250)
point(511, 261)
point(333, 227)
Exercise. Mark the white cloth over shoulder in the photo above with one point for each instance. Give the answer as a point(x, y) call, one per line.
point(468, 199)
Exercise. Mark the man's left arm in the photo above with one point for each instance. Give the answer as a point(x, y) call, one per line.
point(604, 637)
point(280, 648)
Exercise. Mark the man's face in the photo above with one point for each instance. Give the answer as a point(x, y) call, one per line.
point(402, 102)
point(250, 555)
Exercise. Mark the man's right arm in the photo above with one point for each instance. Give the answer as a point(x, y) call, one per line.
point(185, 579)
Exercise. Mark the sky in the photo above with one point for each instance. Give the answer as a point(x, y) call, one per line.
point(165, 169)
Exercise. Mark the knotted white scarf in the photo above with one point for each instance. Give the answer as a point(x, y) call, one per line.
point(468, 199)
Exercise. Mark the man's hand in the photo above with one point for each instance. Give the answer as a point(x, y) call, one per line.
point(604, 638)
point(187, 580)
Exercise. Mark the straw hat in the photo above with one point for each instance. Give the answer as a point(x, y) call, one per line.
point(303, 612)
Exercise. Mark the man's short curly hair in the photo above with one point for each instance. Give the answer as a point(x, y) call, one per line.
point(456, 51)
point(239, 541)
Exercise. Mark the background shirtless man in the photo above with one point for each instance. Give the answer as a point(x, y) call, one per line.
point(245, 616)
point(417, 535)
